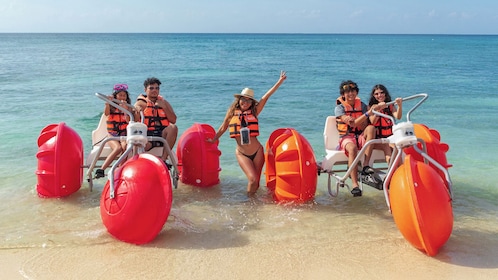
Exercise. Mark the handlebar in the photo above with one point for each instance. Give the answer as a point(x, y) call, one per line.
point(424, 96)
point(114, 103)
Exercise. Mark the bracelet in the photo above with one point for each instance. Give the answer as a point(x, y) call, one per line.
point(366, 114)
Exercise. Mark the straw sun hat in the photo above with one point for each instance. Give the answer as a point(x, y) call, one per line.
point(247, 92)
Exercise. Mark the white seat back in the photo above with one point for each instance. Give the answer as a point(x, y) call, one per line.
point(333, 155)
point(330, 134)
point(100, 133)
point(98, 136)
point(331, 141)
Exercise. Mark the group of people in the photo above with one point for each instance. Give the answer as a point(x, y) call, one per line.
point(355, 122)
point(158, 113)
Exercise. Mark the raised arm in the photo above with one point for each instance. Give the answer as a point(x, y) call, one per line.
point(269, 93)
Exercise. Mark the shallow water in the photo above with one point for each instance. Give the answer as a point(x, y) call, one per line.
point(55, 81)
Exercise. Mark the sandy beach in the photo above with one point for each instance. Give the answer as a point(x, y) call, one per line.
point(232, 258)
point(361, 245)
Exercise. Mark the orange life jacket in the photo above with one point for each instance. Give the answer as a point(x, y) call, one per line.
point(384, 126)
point(154, 116)
point(354, 111)
point(243, 119)
point(116, 122)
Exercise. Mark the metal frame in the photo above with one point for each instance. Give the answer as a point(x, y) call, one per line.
point(136, 139)
point(403, 137)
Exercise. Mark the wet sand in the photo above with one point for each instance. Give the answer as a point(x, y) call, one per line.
point(219, 254)
point(215, 234)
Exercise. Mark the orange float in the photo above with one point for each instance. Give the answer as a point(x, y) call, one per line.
point(291, 170)
point(198, 160)
point(60, 161)
point(142, 200)
point(435, 148)
point(421, 205)
point(271, 173)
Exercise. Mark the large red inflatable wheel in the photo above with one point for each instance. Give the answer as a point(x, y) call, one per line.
point(142, 200)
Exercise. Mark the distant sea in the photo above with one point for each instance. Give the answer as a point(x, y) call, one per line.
point(53, 78)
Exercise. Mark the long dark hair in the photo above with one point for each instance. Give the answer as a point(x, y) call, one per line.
point(115, 95)
point(373, 101)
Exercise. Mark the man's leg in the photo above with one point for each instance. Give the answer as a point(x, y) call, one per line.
point(170, 134)
point(369, 134)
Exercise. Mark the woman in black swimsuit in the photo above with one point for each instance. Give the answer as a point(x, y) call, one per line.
point(242, 115)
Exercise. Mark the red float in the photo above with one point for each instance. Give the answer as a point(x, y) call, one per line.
point(60, 161)
point(198, 160)
point(142, 200)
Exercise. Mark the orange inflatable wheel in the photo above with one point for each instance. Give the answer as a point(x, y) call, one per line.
point(421, 205)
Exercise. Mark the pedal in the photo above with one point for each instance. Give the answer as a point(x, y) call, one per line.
point(373, 180)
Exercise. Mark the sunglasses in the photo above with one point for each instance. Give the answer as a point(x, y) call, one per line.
point(153, 88)
point(120, 87)
point(379, 93)
point(348, 86)
point(245, 99)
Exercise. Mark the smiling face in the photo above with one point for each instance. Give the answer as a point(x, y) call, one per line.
point(350, 95)
point(379, 95)
point(122, 95)
point(349, 91)
point(245, 103)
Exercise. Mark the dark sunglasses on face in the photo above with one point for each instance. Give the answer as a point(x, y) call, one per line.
point(247, 100)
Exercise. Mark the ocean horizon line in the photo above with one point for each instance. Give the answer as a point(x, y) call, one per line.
point(261, 33)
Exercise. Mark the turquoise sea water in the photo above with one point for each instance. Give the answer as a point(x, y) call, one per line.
point(52, 78)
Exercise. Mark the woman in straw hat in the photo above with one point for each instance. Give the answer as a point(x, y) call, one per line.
point(242, 121)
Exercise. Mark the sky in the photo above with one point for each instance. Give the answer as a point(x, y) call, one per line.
point(250, 16)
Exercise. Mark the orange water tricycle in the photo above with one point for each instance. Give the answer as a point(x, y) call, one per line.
point(416, 182)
